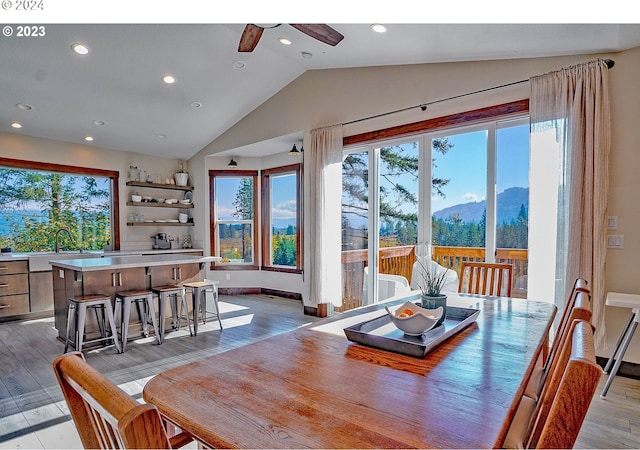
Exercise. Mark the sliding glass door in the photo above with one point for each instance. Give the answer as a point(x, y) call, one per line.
point(463, 191)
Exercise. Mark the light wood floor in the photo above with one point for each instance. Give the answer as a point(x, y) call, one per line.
point(33, 413)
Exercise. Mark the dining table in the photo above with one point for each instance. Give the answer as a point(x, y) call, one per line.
point(315, 388)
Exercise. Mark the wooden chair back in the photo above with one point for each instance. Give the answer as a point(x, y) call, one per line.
point(580, 310)
point(486, 278)
point(566, 397)
point(104, 415)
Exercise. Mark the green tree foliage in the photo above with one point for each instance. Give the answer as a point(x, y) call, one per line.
point(74, 202)
point(398, 227)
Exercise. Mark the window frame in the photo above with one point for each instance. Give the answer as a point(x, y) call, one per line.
point(113, 175)
point(266, 175)
point(213, 222)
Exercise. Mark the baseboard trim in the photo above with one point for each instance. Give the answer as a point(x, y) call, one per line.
point(627, 369)
point(257, 291)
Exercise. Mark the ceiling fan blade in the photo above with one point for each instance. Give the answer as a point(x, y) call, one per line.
point(323, 33)
point(250, 38)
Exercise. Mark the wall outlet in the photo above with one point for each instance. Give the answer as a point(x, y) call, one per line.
point(615, 241)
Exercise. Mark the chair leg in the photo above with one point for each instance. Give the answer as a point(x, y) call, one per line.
point(186, 311)
point(124, 325)
point(81, 311)
point(114, 330)
point(152, 313)
point(215, 302)
point(71, 314)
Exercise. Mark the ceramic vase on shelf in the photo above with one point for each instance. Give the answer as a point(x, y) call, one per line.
point(428, 302)
point(182, 178)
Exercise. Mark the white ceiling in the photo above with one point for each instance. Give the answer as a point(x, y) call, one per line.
point(119, 81)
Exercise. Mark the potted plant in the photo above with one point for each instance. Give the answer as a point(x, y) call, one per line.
point(181, 175)
point(431, 279)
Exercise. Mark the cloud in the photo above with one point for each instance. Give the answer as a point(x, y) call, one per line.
point(284, 210)
point(470, 196)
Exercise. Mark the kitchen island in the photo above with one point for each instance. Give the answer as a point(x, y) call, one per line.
point(109, 275)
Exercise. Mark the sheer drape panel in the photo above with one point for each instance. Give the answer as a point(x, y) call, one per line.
point(325, 176)
point(575, 103)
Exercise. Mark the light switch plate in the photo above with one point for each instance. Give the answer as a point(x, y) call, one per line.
point(615, 241)
point(612, 223)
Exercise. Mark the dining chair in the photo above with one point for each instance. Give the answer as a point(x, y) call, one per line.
point(578, 308)
point(106, 416)
point(555, 421)
point(494, 279)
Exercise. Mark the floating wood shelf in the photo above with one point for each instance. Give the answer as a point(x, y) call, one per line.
point(159, 224)
point(159, 205)
point(159, 186)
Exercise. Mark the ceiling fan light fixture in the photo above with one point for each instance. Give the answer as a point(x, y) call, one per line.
point(378, 28)
point(232, 164)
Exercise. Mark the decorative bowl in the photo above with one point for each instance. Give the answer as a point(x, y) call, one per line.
point(414, 320)
point(136, 198)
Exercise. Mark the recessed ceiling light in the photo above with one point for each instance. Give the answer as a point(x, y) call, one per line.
point(239, 65)
point(161, 136)
point(16, 124)
point(98, 123)
point(285, 41)
point(306, 55)
point(80, 49)
point(23, 106)
point(378, 28)
point(195, 105)
point(168, 78)
point(88, 138)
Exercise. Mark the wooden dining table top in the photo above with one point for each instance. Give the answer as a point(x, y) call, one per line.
point(314, 388)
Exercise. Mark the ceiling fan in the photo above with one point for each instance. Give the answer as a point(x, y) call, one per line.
point(324, 33)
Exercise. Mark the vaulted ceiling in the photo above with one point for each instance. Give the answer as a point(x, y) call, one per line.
point(116, 95)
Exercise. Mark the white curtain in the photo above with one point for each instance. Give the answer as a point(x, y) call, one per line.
point(573, 104)
point(324, 170)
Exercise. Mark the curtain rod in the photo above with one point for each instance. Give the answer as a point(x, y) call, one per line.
point(423, 106)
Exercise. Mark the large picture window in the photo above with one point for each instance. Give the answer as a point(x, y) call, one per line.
point(38, 199)
point(282, 218)
point(233, 217)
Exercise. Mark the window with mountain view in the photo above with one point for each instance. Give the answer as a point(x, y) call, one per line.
point(36, 200)
point(465, 191)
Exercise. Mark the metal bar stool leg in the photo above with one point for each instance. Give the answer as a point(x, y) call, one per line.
point(81, 311)
point(152, 313)
point(71, 316)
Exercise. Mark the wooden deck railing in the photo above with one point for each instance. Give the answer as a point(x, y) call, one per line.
point(399, 261)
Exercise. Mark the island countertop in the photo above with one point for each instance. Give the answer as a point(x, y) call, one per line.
point(125, 262)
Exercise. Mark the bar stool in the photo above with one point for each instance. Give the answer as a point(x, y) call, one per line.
point(171, 292)
point(143, 300)
point(77, 313)
point(199, 291)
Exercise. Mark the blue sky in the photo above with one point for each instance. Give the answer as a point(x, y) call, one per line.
point(283, 210)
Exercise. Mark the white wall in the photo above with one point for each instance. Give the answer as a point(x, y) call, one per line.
point(327, 97)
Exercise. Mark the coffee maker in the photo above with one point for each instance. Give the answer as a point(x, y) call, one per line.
point(161, 241)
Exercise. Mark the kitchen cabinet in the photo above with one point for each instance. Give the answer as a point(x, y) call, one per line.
point(110, 275)
point(14, 288)
point(160, 206)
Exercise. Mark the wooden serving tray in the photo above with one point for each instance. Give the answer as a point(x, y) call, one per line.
point(383, 334)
